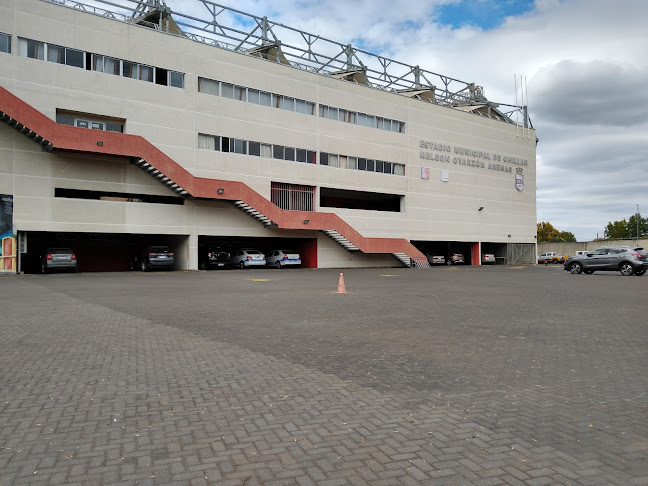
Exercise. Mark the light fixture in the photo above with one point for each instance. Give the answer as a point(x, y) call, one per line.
point(221, 190)
point(509, 236)
point(306, 221)
point(100, 143)
point(480, 208)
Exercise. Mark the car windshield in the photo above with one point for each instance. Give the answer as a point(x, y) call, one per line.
point(59, 251)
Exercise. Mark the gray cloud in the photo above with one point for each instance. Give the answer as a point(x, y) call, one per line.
point(591, 93)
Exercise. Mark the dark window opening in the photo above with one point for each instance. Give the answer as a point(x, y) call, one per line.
point(161, 76)
point(225, 146)
point(116, 196)
point(373, 201)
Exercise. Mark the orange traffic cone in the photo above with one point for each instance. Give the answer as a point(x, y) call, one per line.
point(341, 288)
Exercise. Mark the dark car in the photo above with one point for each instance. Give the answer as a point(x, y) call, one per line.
point(628, 260)
point(214, 258)
point(58, 259)
point(455, 258)
point(154, 257)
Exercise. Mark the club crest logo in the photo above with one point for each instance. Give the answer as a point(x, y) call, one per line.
point(519, 179)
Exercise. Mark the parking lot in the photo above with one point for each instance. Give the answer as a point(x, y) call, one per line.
point(462, 375)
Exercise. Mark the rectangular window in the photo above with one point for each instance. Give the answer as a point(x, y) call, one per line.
point(206, 142)
point(82, 124)
point(208, 86)
point(311, 157)
point(275, 100)
point(114, 127)
point(96, 125)
point(300, 106)
point(240, 146)
point(176, 79)
point(301, 155)
point(253, 96)
point(379, 165)
point(324, 158)
point(112, 65)
point(5, 43)
point(55, 54)
point(74, 58)
point(286, 103)
point(310, 108)
point(145, 73)
point(380, 123)
point(265, 99)
point(227, 90)
point(351, 117)
point(332, 113)
point(266, 150)
point(334, 160)
point(130, 70)
point(362, 164)
point(399, 169)
point(388, 168)
point(254, 148)
point(371, 165)
point(65, 120)
point(371, 120)
point(224, 144)
point(31, 48)
point(277, 152)
point(290, 154)
point(352, 162)
point(239, 93)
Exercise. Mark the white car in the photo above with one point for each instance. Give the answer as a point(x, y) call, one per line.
point(488, 258)
point(279, 258)
point(247, 258)
point(436, 259)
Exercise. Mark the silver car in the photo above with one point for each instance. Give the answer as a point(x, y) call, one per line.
point(628, 260)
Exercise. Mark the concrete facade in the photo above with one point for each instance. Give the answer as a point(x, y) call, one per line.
point(434, 143)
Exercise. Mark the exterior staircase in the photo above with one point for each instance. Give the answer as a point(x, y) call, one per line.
point(341, 240)
point(243, 206)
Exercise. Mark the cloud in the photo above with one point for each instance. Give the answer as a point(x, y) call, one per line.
point(591, 93)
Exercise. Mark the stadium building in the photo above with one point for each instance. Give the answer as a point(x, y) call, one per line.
point(127, 124)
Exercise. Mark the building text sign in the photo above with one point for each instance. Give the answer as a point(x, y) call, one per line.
point(449, 154)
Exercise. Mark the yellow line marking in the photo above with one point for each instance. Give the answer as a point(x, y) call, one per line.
point(389, 275)
point(258, 279)
point(517, 268)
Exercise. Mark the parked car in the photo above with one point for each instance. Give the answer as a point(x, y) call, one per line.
point(58, 259)
point(153, 257)
point(247, 258)
point(552, 257)
point(214, 258)
point(280, 258)
point(435, 259)
point(488, 258)
point(628, 260)
point(455, 258)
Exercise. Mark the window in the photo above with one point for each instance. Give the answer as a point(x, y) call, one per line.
point(96, 125)
point(286, 103)
point(206, 142)
point(130, 70)
point(114, 127)
point(265, 99)
point(176, 79)
point(254, 148)
point(227, 90)
point(266, 150)
point(301, 155)
point(240, 146)
point(208, 86)
point(5, 43)
point(105, 64)
point(277, 152)
point(83, 123)
point(289, 154)
point(352, 162)
point(239, 93)
point(145, 73)
point(253, 96)
point(74, 58)
point(324, 157)
point(65, 120)
point(31, 48)
point(56, 54)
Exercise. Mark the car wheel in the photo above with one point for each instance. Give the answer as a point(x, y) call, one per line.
point(556, 262)
point(576, 268)
point(143, 266)
point(242, 264)
point(449, 262)
point(626, 269)
point(278, 264)
point(43, 267)
point(639, 273)
point(203, 266)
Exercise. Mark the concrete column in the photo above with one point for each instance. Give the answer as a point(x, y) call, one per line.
point(192, 252)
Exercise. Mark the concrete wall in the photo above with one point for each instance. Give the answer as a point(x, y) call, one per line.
point(572, 248)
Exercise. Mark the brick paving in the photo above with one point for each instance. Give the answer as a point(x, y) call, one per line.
point(448, 376)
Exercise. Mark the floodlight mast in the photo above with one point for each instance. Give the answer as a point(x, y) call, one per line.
point(306, 51)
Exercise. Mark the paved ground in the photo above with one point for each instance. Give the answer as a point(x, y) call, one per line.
point(448, 376)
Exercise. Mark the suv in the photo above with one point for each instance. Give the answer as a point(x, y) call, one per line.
point(455, 258)
point(628, 260)
point(214, 258)
point(153, 257)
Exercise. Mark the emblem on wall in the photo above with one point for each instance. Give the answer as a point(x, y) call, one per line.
point(519, 179)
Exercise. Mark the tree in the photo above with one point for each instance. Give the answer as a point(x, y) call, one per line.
point(546, 232)
point(626, 230)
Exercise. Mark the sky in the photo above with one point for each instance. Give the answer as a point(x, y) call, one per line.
point(586, 73)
